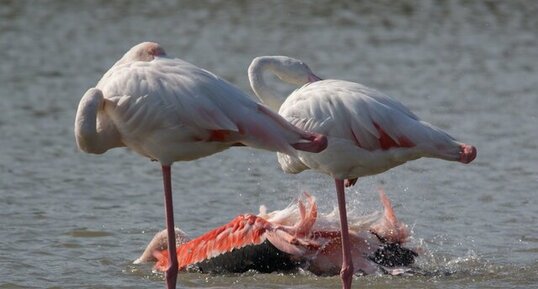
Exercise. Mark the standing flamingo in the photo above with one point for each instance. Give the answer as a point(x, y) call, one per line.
point(169, 110)
point(368, 132)
point(295, 237)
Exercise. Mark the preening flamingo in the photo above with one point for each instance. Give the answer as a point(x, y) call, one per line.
point(368, 132)
point(169, 110)
point(295, 237)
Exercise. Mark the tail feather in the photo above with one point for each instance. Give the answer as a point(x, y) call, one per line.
point(299, 139)
point(308, 216)
point(297, 239)
point(389, 227)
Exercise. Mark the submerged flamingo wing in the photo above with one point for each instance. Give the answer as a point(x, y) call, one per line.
point(247, 230)
point(242, 231)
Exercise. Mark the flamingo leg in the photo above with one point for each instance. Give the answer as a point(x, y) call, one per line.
point(347, 264)
point(171, 272)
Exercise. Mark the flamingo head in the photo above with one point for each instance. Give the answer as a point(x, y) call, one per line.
point(145, 51)
point(294, 71)
point(290, 70)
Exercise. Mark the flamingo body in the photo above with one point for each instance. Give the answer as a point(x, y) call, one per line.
point(368, 131)
point(291, 238)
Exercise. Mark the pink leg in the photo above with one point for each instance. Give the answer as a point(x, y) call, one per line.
point(347, 264)
point(171, 272)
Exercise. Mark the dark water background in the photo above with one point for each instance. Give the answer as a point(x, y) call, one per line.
point(71, 220)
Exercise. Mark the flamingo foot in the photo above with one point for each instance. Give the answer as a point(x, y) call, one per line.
point(350, 182)
point(467, 153)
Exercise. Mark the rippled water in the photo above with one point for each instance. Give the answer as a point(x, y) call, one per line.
point(71, 220)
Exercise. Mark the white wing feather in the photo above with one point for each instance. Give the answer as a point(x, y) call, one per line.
point(190, 94)
point(358, 122)
point(352, 111)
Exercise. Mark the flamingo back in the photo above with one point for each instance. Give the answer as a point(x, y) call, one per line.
point(368, 131)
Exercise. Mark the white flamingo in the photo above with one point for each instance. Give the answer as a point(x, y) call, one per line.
point(368, 132)
point(169, 110)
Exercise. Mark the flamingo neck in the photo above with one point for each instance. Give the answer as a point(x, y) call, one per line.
point(94, 130)
point(267, 95)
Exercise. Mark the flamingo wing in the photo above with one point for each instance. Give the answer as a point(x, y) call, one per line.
point(388, 227)
point(353, 111)
point(291, 237)
point(370, 119)
point(174, 87)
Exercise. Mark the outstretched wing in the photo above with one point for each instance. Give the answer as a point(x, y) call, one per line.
point(250, 230)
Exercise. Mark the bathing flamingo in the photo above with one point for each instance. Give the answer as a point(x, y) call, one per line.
point(169, 110)
point(368, 132)
point(295, 237)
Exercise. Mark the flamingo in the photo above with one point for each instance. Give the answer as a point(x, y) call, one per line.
point(295, 237)
point(169, 110)
point(368, 132)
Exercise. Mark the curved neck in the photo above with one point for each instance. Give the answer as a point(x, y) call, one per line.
point(94, 131)
point(267, 95)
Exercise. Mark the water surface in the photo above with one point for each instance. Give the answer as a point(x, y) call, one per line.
point(72, 220)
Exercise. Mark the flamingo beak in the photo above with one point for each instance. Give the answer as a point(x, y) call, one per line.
point(313, 78)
